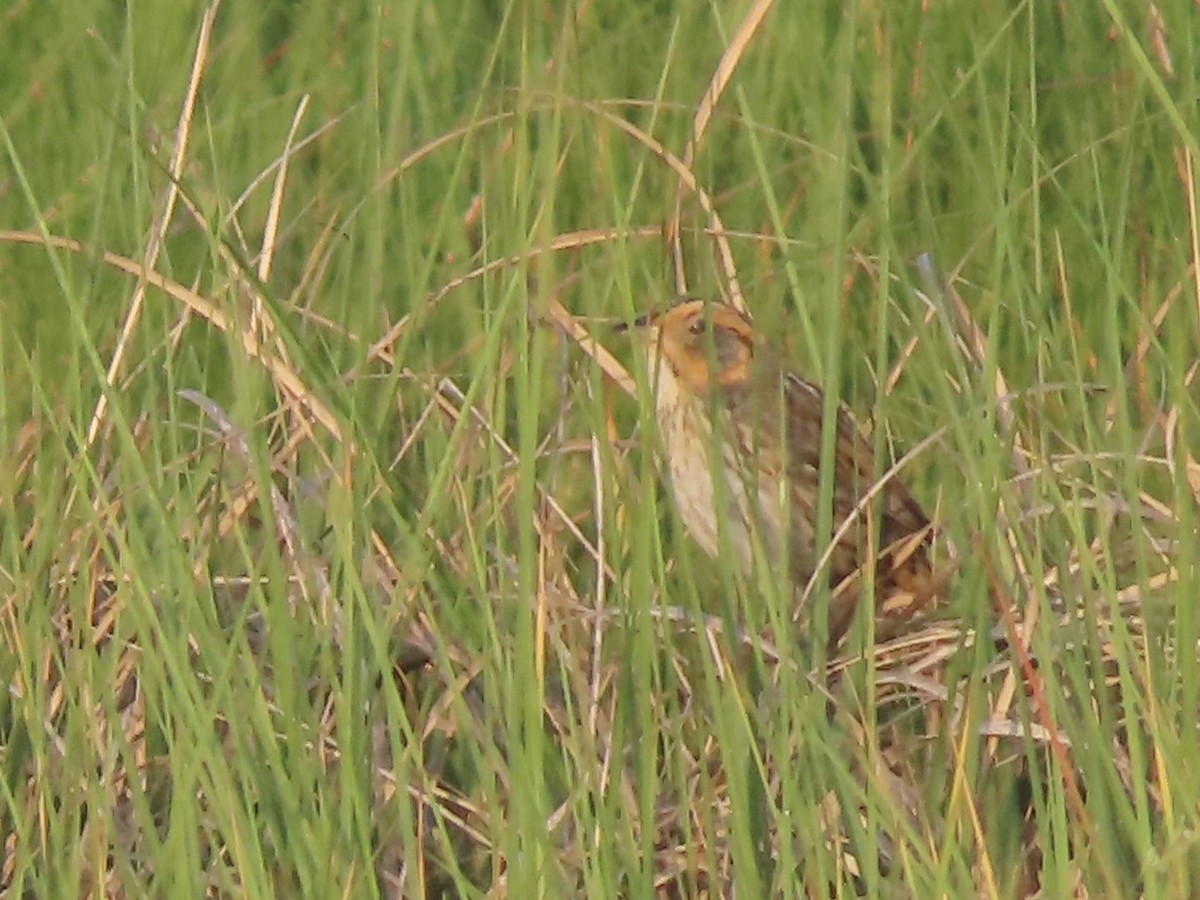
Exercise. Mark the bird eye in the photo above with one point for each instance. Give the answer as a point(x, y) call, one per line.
point(698, 326)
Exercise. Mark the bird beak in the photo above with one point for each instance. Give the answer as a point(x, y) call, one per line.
point(647, 321)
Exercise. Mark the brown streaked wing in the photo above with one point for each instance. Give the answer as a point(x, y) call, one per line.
point(854, 461)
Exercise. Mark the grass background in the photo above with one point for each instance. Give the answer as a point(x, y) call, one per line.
point(389, 600)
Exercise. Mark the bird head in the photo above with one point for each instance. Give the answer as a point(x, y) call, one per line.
point(703, 344)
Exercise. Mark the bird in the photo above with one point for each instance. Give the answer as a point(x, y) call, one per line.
point(741, 436)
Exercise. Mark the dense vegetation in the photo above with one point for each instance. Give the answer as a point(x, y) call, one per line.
point(333, 558)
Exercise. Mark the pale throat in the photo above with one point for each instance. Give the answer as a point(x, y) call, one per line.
point(667, 384)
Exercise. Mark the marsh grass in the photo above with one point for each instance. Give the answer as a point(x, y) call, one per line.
point(333, 560)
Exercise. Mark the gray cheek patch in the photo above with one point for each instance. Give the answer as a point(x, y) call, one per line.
point(729, 349)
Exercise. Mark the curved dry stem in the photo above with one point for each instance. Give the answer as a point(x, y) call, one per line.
point(380, 349)
point(726, 66)
point(287, 378)
point(159, 232)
